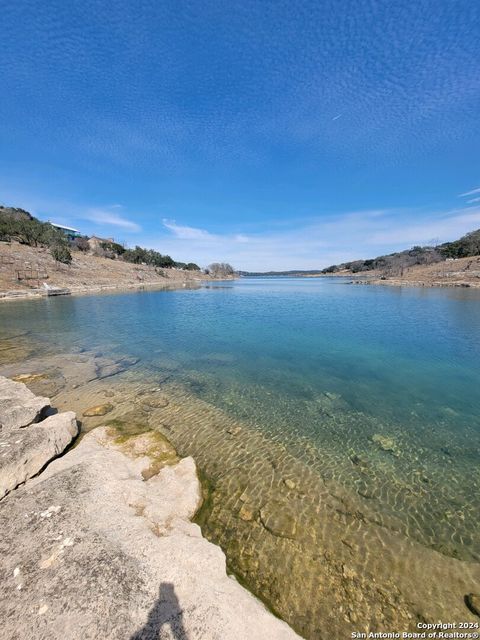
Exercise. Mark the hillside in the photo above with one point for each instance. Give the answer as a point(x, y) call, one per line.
point(453, 272)
point(36, 258)
point(394, 264)
point(24, 269)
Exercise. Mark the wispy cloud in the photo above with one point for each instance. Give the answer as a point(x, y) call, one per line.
point(108, 217)
point(469, 193)
point(318, 242)
point(187, 233)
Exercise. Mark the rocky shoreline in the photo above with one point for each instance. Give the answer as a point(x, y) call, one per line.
point(17, 294)
point(398, 282)
point(99, 542)
point(459, 273)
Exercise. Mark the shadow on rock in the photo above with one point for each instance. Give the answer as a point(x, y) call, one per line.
point(165, 611)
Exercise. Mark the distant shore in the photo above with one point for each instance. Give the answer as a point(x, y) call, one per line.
point(461, 272)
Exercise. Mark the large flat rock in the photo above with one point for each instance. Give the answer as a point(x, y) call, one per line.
point(24, 452)
point(91, 550)
point(19, 407)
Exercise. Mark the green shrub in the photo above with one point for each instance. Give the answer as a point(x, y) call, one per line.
point(16, 224)
point(147, 256)
point(61, 253)
point(113, 247)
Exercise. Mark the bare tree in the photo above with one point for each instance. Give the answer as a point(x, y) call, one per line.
point(221, 269)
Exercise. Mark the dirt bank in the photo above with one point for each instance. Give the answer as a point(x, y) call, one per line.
point(27, 271)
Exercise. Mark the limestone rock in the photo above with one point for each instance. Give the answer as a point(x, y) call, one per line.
point(290, 484)
point(19, 407)
point(24, 452)
point(101, 553)
point(98, 410)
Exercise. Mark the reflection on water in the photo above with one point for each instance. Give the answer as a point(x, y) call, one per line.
point(337, 428)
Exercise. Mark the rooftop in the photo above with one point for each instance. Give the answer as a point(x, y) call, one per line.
point(62, 226)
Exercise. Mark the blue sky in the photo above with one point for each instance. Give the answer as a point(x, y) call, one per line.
point(270, 134)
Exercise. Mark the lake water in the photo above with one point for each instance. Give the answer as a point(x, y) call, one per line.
point(303, 395)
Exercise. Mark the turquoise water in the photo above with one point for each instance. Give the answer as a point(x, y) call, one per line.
point(318, 362)
point(388, 351)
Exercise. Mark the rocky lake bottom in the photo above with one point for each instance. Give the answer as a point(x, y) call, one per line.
point(367, 532)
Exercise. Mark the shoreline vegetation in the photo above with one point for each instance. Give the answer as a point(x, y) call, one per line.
point(37, 260)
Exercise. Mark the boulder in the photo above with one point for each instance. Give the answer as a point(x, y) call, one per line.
point(24, 452)
point(19, 407)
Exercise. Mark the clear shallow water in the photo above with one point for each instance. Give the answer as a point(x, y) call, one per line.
point(370, 390)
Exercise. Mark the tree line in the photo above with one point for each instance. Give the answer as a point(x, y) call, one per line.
point(18, 224)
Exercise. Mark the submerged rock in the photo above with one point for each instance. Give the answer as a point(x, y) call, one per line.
point(473, 603)
point(278, 519)
point(98, 410)
point(27, 378)
point(234, 430)
point(332, 396)
point(105, 368)
point(385, 443)
point(158, 401)
point(19, 407)
point(246, 513)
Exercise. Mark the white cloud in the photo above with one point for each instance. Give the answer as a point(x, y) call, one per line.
point(318, 242)
point(187, 233)
point(109, 218)
point(469, 193)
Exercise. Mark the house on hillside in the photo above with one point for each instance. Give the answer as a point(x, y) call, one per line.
point(96, 243)
point(69, 232)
